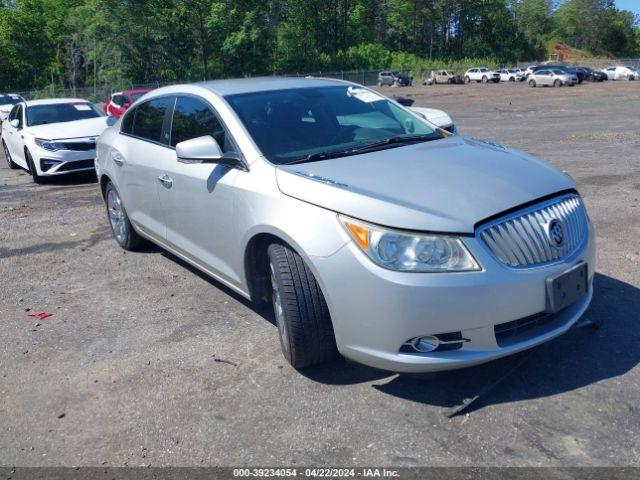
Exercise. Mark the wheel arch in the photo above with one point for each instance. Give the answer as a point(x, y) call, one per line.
point(104, 180)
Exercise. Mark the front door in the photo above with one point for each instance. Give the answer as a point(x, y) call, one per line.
point(199, 202)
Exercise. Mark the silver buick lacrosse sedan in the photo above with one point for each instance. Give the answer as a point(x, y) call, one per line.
point(374, 233)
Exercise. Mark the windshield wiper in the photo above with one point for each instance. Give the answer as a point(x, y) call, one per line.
point(318, 156)
point(399, 140)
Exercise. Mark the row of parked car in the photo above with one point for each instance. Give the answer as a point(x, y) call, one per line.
point(536, 75)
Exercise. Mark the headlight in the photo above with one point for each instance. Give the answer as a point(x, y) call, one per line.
point(409, 252)
point(51, 146)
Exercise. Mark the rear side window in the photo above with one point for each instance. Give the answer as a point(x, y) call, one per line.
point(193, 118)
point(148, 119)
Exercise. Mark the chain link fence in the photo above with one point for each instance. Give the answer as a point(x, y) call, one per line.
point(100, 93)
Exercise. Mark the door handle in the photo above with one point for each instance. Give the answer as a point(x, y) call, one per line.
point(165, 180)
point(117, 158)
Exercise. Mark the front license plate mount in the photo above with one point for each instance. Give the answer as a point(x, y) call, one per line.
point(567, 287)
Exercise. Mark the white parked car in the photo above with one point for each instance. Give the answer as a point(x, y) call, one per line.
point(437, 117)
point(511, 75)
point(52, 137)
point(481, 74)
point(7, 101)
point(621, 73)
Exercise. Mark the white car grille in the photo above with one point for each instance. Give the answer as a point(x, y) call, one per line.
point(544, 233)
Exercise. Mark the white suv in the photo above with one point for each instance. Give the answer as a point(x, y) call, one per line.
point(482, 74)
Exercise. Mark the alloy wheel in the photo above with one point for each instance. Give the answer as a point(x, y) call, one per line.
point(116, 216)
point(279, 312)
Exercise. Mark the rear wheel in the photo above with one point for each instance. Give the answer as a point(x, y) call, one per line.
point(124, 233)
point(532, 83)
point(303, 320)
point(557, 83)
point(12, 165)
point(467, 79)
point(32, 168)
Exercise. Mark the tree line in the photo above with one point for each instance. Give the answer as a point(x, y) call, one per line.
point(78, 43)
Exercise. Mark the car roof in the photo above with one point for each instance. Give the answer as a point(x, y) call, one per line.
point(55, 101)
point(258, 84)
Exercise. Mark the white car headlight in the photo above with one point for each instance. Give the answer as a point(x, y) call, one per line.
point(49, 145)
point(410, 252)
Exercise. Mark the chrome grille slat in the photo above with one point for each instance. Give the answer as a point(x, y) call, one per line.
point(521, 239)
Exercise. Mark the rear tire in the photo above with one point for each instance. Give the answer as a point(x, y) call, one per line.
point(121, 227)
point(32, 168)
point(303, 320)
point(12, 165)
point(557, 84)
point(467, 79)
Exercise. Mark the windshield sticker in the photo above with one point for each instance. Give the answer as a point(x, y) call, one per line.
point(364, 95)
point(83, 107)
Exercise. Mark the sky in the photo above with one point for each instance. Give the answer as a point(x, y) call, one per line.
point(633, 5)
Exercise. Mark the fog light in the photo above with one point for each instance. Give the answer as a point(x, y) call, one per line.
point(425, 344)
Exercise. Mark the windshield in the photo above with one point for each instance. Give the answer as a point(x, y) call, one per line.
point(9, 99)
point(290, 125)
point(61, 112)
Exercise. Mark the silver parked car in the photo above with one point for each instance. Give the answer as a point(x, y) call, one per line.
point(552, 78)
point(372, 232)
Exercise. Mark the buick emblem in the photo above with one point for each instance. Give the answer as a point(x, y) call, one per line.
point(555, 230)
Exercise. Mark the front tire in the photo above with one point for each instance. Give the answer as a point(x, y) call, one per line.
point(121, 227)
point(303, 320)
point(532, 83)
point(12, 165)
point(32, 168)
point(485, 79)
point(467, 79)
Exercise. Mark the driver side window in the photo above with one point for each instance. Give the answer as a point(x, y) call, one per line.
point(193, 118)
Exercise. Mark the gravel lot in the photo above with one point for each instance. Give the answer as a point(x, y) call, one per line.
point(148, 362)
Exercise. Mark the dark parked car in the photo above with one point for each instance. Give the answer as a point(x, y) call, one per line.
point(398, 79)
point(594, 75)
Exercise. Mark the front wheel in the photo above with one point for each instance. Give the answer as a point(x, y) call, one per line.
point(12, 165)
point(467, 79)
point(121, 227)
point(303, 320)
point(32, 168)
point(485, 79)
point(532, 83)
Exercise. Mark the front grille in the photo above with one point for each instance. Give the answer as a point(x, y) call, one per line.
point(77, 165)
point(525, 238)
point(80, 146)
point(526, 328)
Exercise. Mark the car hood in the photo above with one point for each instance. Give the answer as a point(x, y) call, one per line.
point(91, 127)
point(446, 185)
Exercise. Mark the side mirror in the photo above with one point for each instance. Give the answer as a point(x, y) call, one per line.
point(206, 150)
point(111, 121)
point(15, 123)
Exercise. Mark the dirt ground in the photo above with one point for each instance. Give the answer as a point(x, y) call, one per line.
point(147, 362)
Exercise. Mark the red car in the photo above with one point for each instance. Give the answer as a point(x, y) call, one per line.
point(119, 102)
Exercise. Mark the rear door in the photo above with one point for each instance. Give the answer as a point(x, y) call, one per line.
point(199, 202)
point(143, 154)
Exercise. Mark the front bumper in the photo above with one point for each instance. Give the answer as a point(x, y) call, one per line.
point(375, 311)
point(63, 161)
